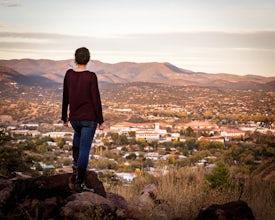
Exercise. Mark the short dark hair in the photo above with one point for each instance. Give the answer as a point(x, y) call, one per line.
point(82, 56)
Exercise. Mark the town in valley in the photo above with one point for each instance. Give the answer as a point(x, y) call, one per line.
point(149, 127)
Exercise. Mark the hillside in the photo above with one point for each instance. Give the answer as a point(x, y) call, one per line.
point(9, 76)
point(153, 72)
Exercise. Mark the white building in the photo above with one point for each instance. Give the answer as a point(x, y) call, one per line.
point(52, 144)
point(58, 134)
point(126, 176)
point(231, 133)
point(147, 134)
point(26, 132)
point(11, 127)
point(123, 128)
point(29, 125)
point(151, 134)
point(152, 156)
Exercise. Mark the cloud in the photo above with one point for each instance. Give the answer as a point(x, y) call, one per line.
point(2, 25)
point(8, 3)
point(31, 35)
point(212, 51)
point(161, 42)
point(211, 39)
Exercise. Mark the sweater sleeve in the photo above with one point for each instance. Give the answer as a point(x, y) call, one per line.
point(96, 99)
point(65, 100)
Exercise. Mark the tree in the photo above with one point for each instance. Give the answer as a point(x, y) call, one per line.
point(123, 140)
point(4, 137)
point(131, 156)
point(190, 143)
point(189, 132)
point(203, 144)
point(169, 129)
point(11, 160)
point(148, 163)
point(171, 159)
point(105, 141)
point(232, 155)
point(219, 177)
point(114, 137)
point(207, 115)
point(119, 139)
point(216, 145)
point(132, 137)
point(61, 142)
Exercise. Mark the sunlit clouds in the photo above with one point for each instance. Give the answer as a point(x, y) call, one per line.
point(209, 36)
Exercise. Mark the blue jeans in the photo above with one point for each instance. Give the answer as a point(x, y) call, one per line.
point(84, 132)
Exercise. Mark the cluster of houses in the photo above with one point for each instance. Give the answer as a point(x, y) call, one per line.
point(153, 131)
point(160, 132)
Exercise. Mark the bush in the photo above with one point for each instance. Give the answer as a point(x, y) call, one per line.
point(12, 160)
point(219, 177)
point(103, 164)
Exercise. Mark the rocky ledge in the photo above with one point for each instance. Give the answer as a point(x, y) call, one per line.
point(53, 197)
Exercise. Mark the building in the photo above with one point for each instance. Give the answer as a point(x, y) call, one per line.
point(151, 134)
point(58, 134)
point(123, 128)
point(147, 134)
point(147, 131)
point(26, 132)
point(212, 139)
point(29, 125)
point(198, 126)
point(231, 133)
point(152, 156)
point(126, 176)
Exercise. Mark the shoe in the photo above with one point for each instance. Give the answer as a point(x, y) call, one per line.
point(80, 179)
point(81, 187)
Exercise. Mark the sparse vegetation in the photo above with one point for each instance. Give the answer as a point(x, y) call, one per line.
point(189, 184)
point(185, 191)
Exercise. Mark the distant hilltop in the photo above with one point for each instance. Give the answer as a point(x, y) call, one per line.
point(126, 72)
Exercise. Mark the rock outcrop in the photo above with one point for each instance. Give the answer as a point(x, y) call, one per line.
point(238, 210)
point(53, 197)
point(148, 206)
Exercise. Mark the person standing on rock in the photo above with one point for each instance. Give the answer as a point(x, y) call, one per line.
point(81, 94)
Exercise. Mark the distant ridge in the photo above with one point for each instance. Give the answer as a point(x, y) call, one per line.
point(9, 75)
point(52, 71)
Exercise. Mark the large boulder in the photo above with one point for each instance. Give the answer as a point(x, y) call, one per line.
point(148, 206)
point(6, 192)
point(146, 200)
point(47, 186)
point(87, 205)
point(53, 197)
point(120, 203)
point(237, 210)
point(42, 197)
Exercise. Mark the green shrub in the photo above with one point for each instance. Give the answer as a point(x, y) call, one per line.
point(219, 177)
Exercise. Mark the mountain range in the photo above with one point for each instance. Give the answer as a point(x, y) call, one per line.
point(50, 72)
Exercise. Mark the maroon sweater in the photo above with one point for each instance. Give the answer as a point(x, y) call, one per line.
point(80, 92)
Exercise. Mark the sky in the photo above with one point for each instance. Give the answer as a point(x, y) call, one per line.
point(213, 36)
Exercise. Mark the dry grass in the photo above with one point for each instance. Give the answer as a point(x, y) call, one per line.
point(185, 191)
point(260, 196)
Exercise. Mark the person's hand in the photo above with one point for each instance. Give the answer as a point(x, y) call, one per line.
point(65, 123)
point(101, 126)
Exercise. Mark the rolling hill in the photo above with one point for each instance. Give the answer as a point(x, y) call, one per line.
point(50, 71)
point(9, 75)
